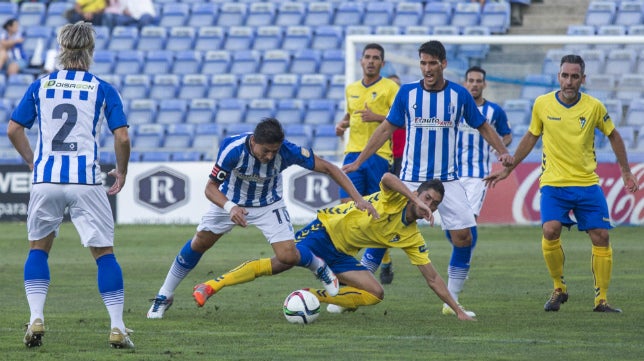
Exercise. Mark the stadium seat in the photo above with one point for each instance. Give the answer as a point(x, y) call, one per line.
point(158, 62)
point(261, 14)
point(128, 62)
point(474, 51)
point(178, 136)
point(245, 62)
point(164, 86)
point(186, 156)
point(230, 111)
point(629, 13)
point(152, 38)
point(201, 111)
point(628, 134)
point(629, 86)
point(209, 38)
point(326, 146)
point(174, 14)
point(290, 111)
point(437, 14)
point(327, 37)
point(536, 85)
point(616, 110)
point(147, 136)
point(290, 13)
point(635, 30)
point(634, 113)
point(466, 14)
point(5, 112)
point(172, 111)
point(31, 14)
point(319, 13)
point(282, 86)
point(252, 86)
point(620, 61)
point(232, 14)
point(239, 38)
point(37, 36)
point(193, 86)
point(142, 111)
point(407, 14)
point(187, 62)
point(594, 59)
point(358, 30)
point(55, 13)
point(202, 14)
point(259, 109)
point(222, 86)
point(299, 134)
point(103, 62)
point(600, 13)
point(206, 137)
point(552, 61)
point(378, 13)
point(123, 38)
point(336, 87)
point(135, 86)
point(237, 128)
point(268, 38)
point(319, 111)
point(275, 62)
point(297, 38)
point(496, 16)
point(349, 13)
point(518, 111)
point(448, 30)
point(579, 30)
point(115, 80)
point(155, 156)
point(332, 62)
point(312, 86)
point(216, 62)
point(610, 30)
point(181, 38)
point(102, 37)
point(305, 61)
point(601, 86)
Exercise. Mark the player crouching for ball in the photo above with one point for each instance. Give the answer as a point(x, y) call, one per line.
point(339, 233)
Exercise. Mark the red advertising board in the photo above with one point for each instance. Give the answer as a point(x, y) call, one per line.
point(515, 200)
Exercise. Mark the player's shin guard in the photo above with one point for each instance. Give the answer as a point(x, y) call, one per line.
point(349, 297)
point(243, 273)
point(602, 267)
point(36, 280)
point(555, 258)
point(110, 284)
point(372, 258)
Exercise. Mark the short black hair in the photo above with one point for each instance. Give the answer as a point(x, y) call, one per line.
point(434, 48)
point(9, 23)
point(434, 184)
point(477, 69)
point(574, 59)
point(268, 131)
point(377, 47)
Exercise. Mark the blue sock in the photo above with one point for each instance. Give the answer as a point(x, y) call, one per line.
point(372, 258)
point(475, 236)
point(306, 256)
point(110, 279)
point(36, 266)
point(188, 258)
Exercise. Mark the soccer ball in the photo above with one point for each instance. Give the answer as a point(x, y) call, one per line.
point(302, 307)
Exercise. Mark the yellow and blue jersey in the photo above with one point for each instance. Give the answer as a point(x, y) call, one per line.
point(351, 229)
point(568, 133)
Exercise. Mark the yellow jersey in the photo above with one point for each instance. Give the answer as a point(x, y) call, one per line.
point(568, 133)
point(379, 97)
point(351, 229)
point(91, 6)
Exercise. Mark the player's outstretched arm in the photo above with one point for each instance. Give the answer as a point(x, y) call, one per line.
point(436, 283)
point(378, 138)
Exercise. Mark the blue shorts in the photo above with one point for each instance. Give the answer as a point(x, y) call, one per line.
point(588, 204)
point(367, 178)
point(315, 238)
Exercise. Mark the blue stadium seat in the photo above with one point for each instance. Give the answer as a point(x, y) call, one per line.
point(102, 38)
point(115, 80)
point(290, 13)
point(232, 14)
point(8, 10)
point(152, 38)
point(600, 13)
point(475, 51)
point(282, 86)
point(536, 85)
point(35, 36)
point(202, 14)
point(275, 62)
point(103, 62)
point(179, 136)
point(326, 146)
point(299, 134)
point(209, 38)
point(128, 62)
point(297, 38)
point(595, 60)
point(172, 111)
point(245, 62)
point(174, 14)
point(238, 128)
point(635, 30)
point(142, 111)
point(579, 30)
point(332, 62)
point(239, 38)
point(318, 13)
point(268, 38)
point(552, 61)
point(164, 86)
point(305, 61)
point(378, 13)
point(123, 38)
point(187, 62)
point(448, 30)
point(135, 156)
point(155, 156)
point(55, 13)
point(336, 87)
point(437, 14)
point(259, 109)
point(181, 38)
point(407, 13)
point(31, 14)
point(260, 14)
point(230, 111)
point(158, 62)
point(629, 13)
point(349, 13)
point(207, 137)
point(358, 30)
point(147, 136)
point(620, 61)
point(222, 86)
point(312, 86)
point(201, 111)
point(466, 14)
point(216, 62)
point(518, 111)
point(186, 156)
point(629, 87)
point(601, 86)
point(496, 16)
point(252, 86)
point(327, 37)
point(135, 86)
point(388, 30)
point(290, 111)
point(320, 111)
point(610, 30)
point(5, 112)
point(193, 86)
point(634, 114)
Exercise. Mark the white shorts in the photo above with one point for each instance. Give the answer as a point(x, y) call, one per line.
point(455, 212)
point(273, 220)
point(88, 206)
point(475, 189)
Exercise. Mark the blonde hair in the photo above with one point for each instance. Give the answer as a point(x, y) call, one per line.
point(76, 45)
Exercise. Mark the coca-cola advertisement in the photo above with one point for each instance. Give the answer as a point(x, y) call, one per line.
point(515, 200)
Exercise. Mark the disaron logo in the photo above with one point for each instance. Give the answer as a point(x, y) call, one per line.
point(314, 190)
point(69, 85)
point(162, 189)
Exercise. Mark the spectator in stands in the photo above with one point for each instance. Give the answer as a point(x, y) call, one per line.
point(567, 120)
point(12, 56)
point(87, 10)
point(137, 13)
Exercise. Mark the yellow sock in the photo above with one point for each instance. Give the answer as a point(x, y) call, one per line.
point(386, 258)
point(554, 256)
point(243, 273)
point(602, 266)
point(349, 297)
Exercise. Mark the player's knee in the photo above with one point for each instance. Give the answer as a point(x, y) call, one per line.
point(377, 292)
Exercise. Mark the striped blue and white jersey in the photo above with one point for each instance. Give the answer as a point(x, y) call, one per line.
point(431, 119)
point(473, 151)
point(69, 107)
point(248, 182)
